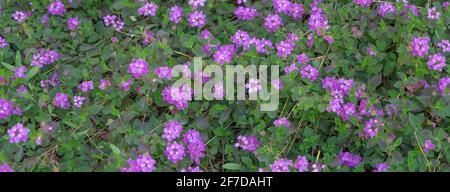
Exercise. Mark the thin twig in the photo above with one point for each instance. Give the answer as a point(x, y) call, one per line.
point(423, 153)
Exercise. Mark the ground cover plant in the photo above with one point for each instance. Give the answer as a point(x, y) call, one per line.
point(86, 85)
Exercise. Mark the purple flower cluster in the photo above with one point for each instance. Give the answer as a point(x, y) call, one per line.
point(197, 19)
point(348, 159)
point(3, 42)
point(247, 143)
point(239, 2)
point(191, 136)
point(446, 4)
point(310, 40)
point(147, 37)
point(296, 11)
point(339, 88)
point(253, 85)
point(410, 7)
point(17, 111)
point(86, 86)
point(44, 19)
point(317, 167)
point(5, 168)
point(104, 84)
point(207, 48)
point(436, 62)
point(302, 58)
point(290, 68)
point(78, 101)
point(245, 13)
point(44, 57)
point(301, 164)
point(428, 146)
point(138, 68)
point(281, 6)
point(285, 48)
point(224, 54)
point(176, 14)
point(347, 110)
point(433, 14)
point(21, 90)
point(218, 91)
point(73, 23)
point(371, 128)
point(381, 167)
point(277, 84)
point(205, 34)
point(329, 39)
point(281, 165)
point(420, 46)
point(163, 72)
point(56, 8)
point(272, 23)
point(364, 110)
point(196, 3)
point(126, 85)
point(178, 96)
point(143, 163)
point(363, 3)
point(18, 133)
point(6, 108)
point(262, 45)
point(172, 130)
point(240, 38)
point(371, 52)
point(195, 145)
point(442, 86)
point(61, 100)
point(175, 152)
point(443, 44)
point(309, 72)
point(53, 81)
point(192, 169)
point(282, 121)
point(114, 21)
point(318, 21)
point(19, 72)
point(19, 16)
point(386, 8)
point(201, 77)
point(148, 9)
point(114, 39)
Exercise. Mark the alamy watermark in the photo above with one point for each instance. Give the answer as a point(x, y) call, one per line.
point(231, 82)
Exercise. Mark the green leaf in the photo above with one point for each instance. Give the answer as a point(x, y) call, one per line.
point(416, 120)
point(165, 47)
point(32, 72)
point(375, 81)
point(189, 41)
point(8, 66)
point(389, 67)
point(18, 59)
point(115, 149)
point(232, 166)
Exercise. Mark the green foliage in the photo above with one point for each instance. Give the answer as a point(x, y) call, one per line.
point(115, 125)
